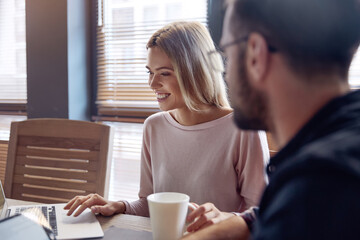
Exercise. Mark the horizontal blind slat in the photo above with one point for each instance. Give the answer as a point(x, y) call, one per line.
point(12, 52)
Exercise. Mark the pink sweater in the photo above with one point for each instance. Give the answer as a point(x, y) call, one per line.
point(211, 162)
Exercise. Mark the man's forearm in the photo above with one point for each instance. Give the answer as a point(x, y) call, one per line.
point(232, 228)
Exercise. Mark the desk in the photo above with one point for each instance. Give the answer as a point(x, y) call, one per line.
point(119, 220)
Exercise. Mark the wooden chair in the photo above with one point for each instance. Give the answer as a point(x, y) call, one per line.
point(272, 146)
point(53, 160)
point(3, 155)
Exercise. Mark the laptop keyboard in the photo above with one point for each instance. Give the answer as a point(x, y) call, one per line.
point(48, 212)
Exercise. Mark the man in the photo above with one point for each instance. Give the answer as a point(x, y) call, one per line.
point(287, 70)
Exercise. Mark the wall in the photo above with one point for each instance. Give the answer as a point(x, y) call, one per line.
point(58, 38)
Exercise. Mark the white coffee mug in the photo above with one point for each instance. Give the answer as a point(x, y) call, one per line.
point(168, 212)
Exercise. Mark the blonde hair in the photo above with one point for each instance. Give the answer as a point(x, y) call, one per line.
point(188, 45)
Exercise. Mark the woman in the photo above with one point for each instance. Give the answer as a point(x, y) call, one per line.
point(192, 146)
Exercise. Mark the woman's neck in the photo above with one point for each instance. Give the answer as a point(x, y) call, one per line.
point(186, 117)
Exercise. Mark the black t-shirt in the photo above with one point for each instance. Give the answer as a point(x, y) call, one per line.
point(314, 181)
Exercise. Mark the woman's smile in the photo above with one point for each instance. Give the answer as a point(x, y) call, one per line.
point(162, 96)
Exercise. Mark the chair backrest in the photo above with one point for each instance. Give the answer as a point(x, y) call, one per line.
point(53, 160)
point(273, 148)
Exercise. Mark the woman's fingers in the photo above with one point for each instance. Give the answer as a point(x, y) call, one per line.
point(82, 202)
point(199, 211)
point(87, 204)
point(70, 203)
point(73, 204)
point(206, 219)
point(205, 215)
point(193, 206)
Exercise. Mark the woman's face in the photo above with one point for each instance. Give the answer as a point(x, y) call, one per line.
point(163, 81)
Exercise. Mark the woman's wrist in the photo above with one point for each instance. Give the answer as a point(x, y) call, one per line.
point(119, 206)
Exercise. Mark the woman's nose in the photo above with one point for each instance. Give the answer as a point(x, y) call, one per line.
point(154, 81)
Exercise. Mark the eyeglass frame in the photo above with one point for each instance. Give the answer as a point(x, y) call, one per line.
point(221, 49)
point(243, 39)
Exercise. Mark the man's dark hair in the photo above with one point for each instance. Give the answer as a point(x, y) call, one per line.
point(315, 36)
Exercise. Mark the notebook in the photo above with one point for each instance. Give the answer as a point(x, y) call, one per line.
point(64, 227)
point(20, 227)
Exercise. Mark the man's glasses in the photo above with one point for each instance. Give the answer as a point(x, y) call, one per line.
point(218, 59)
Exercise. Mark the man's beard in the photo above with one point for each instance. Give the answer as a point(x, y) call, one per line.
point(251, 113)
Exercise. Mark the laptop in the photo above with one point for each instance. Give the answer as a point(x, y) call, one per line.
point(64, 227)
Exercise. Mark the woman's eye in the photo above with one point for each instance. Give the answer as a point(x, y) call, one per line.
point(165, 74)
point(149, 72)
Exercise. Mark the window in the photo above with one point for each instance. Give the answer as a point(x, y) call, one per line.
point(123, 31)
point(12, 71)
point(124, 26)
point(12, 56)
point(354, 74)
point(125, 167)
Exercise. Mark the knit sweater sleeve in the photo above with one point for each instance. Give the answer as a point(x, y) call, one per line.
point(253, 157)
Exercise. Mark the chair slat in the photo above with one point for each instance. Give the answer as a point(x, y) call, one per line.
point(87, 186)
point(58, 163)
point(56, 153)
point(61, 128)
point(50, 192)
point(53, 142)
point(66, 174)
point(40, 199)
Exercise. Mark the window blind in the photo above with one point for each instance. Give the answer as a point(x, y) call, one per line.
point(5, 122)
point(354, 73)
point(12, 55)
point(125, 166)
point(124, 28)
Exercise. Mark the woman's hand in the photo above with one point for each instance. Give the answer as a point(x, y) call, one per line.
point(96, 203)
point(205, 215)
point(232, 228)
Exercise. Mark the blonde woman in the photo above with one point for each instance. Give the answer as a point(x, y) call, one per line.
point(192, 146)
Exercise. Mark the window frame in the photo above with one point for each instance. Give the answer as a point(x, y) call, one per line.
point(136, 113)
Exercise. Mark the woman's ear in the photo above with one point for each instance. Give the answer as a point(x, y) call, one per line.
point(257, 59)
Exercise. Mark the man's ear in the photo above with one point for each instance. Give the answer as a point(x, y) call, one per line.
point(257, 58)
